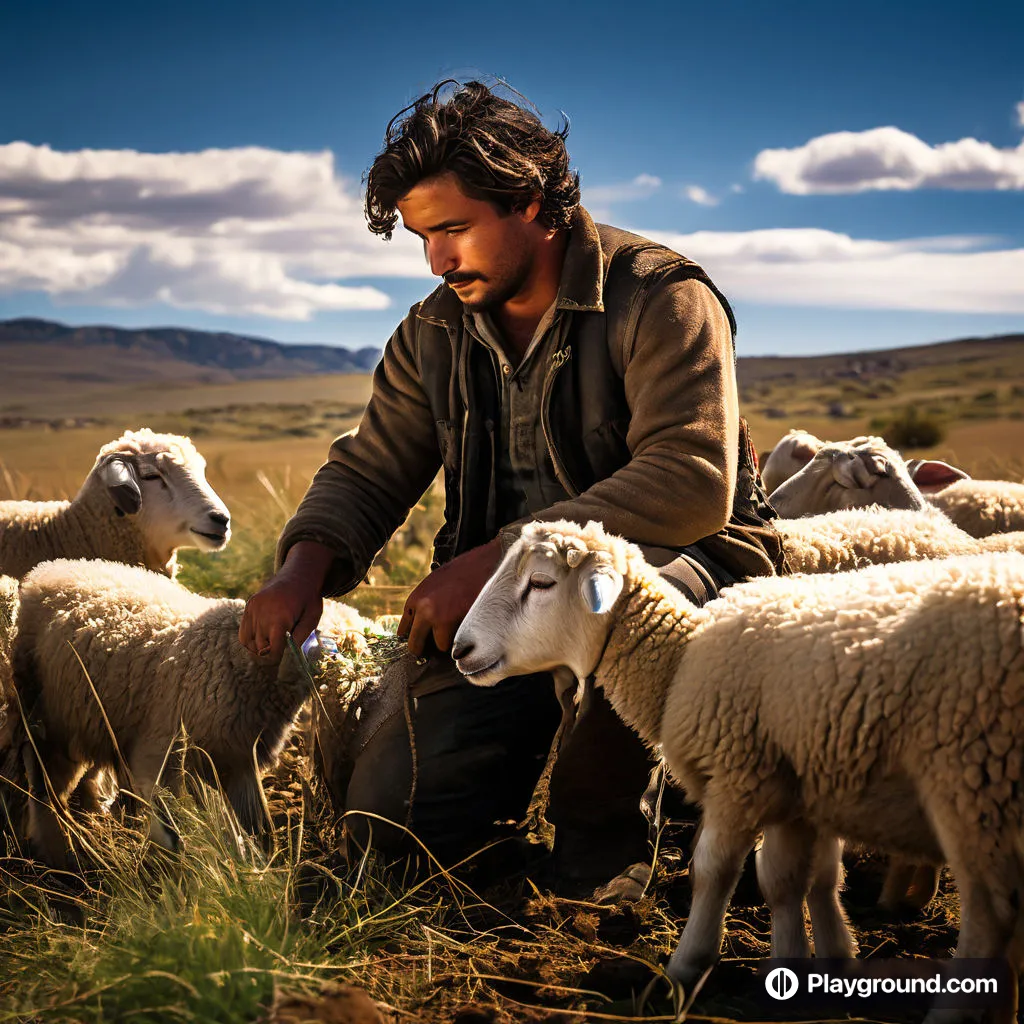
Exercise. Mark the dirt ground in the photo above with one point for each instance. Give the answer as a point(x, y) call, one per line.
point(520, 954)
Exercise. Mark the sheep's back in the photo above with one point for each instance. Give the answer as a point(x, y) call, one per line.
point(97, 626)
point(839, 680)
point(982, 507)
point(28, 534)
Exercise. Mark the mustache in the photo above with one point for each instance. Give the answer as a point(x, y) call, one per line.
point(456, 278)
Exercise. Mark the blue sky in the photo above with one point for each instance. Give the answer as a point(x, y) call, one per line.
point(199, 164)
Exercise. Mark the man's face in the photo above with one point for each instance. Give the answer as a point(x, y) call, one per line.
point(485, 255)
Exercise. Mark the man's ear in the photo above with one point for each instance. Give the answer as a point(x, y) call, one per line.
point(119, 476)
point(530, 211)
point(600, 586)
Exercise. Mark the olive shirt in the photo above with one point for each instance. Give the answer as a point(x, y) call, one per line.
point(638, 421)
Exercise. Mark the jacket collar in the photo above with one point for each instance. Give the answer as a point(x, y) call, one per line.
point(580, 287)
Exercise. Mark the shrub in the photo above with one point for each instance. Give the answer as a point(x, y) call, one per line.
point(909, 429)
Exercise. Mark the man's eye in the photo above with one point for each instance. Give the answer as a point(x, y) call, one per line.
point(454, 231)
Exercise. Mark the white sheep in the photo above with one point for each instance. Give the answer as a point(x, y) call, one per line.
point(160, 659)
point(8, 622)
point(857, 537)
point(854, 538)
point(146, 496)
point(848, 474)
point(982, 507)
point(885, 705)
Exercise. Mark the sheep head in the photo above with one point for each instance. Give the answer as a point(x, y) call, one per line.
point(793, 451)
point(849, 474)
point(546, 607)
point(160, 481)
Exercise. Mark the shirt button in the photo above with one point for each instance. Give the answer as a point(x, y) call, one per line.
point(506, 369)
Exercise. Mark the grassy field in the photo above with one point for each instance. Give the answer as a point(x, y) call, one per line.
point(231, 934)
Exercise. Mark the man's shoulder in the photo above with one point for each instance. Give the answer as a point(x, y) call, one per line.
point(620, 244)
point(635, 266)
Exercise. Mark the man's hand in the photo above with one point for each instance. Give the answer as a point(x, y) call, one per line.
point(289, 603)
point(440, 603)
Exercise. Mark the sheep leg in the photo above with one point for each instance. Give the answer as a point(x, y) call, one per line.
point(145, 765)
point(46, 831)
point(923, 886)
point(909, 885)
point(897, 881)
point(245, 794)
point(832, 935)
point(717, 862)
point(784, 875)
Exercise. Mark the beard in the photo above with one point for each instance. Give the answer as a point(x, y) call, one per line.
point(501, 285)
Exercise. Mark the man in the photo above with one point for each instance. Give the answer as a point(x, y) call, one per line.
point(562, 370)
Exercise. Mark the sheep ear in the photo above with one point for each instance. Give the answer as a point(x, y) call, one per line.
point(930, 475)
point(120, 478)
point(803, 452)
point(600, 586)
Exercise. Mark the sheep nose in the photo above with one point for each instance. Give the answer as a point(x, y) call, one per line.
point(463, 650)
point(219, 518)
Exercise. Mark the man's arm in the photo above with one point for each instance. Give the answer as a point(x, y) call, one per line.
point(358, 498)
point(680, 384)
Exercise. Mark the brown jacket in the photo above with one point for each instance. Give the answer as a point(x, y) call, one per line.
point(640, 415)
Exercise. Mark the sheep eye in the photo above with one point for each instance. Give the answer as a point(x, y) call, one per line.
point(538, 582)
point(154, 476)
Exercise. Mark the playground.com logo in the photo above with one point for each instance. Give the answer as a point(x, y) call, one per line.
point(782, 983)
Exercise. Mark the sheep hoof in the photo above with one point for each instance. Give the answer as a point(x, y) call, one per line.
point(687, 980)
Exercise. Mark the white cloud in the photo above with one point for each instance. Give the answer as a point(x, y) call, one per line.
point(890, 159)
point(239, 231)
point(814, 267)
point(700, 196)
point(1020, 115)
point(641, 187)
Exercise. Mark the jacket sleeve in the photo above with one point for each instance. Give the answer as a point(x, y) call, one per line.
point(683, 435)
point(374, 474)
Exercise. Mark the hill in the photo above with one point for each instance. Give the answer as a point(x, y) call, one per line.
point(39, 354)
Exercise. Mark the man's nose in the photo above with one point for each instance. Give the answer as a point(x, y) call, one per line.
point(441, 257)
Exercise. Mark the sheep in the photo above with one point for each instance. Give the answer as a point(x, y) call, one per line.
point(904, 731)
point(8, 622)
point(848, 474)
point(853, 538)
point(160, 659)
point(146, 496)
point(793, 451)
point(857, 537)
point(982, 507)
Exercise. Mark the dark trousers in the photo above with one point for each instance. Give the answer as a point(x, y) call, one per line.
point(479, 752)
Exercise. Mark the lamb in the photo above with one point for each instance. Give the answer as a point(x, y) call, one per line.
point(904, 731)
point(160, 659)
point(146, 496)
point(848, 474)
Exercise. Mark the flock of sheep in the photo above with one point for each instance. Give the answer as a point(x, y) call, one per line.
point(874, 696)
point(881, 704)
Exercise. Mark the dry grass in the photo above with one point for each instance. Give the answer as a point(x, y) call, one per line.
point(214, 933)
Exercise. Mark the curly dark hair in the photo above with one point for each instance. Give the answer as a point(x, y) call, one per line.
point(500, 152)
